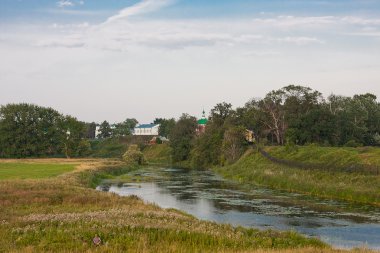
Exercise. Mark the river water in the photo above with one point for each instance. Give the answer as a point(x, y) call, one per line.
point(207, 196)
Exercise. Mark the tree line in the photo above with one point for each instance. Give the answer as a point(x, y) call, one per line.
point(28, 130)
point(292, 115)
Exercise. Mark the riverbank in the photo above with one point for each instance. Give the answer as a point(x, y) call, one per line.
point(254, 168)
point(63, 213)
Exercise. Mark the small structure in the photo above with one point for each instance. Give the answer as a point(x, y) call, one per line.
point(201, 128)
point(249, 136)
point(146, 129)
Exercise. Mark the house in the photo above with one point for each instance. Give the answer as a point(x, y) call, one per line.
point(201, 128)
point(146, 129)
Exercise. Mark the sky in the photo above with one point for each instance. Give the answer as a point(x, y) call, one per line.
point(116, 59)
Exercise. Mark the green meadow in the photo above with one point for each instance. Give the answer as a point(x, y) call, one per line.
point(20, 170)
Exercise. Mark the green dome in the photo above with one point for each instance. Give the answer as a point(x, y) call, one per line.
point(202, 121)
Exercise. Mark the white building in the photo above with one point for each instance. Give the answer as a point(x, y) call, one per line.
point(146, 129)
point(97, 132)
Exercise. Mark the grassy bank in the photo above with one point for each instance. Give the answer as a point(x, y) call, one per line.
point(159, 154)
point(360, 160)
point(63, 214)
point(253, 168)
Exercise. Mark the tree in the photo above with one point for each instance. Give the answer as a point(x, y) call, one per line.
point(84, 148)
point(105, 130)
point(181, 137)
point(133, 155)
point(30, 130)
point(252, 117)
point(73, 133)
point(158, 121)
point(166, 126)
point(284, 108)
point(124, 128)
point(233, 143)
point(220, 113)
point(274, 114)
point(207, 149)
point(90, 130)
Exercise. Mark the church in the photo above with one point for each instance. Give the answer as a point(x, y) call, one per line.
point(201, 128)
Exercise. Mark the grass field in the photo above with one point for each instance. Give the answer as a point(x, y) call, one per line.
point(253, 168)
point(62, 214)
point(33, 170)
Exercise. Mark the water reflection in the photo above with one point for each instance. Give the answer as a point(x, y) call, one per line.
point(207, 196)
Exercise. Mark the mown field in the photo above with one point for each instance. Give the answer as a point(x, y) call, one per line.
point(16, 170)
point(63, 214)
point(331, 181)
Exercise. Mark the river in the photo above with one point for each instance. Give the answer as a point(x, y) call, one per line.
point(207, 196)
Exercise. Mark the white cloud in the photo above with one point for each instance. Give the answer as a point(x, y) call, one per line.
point(315, 21)
point(210, 59)
point(127, 35)
point(65, 3)
point(301, 40)
point(69, 3)
point(142, 7)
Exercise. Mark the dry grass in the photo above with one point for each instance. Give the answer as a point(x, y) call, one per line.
point(62, 215)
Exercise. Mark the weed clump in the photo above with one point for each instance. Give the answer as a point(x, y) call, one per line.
point(134, 156)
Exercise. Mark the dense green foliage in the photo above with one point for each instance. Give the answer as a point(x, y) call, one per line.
point(111, 147)
point(133, 156)
point(301, 115)
point(182, 136)
point(105, 130)
point(124, 128)
point(166, 126)
point(292, 115)
point(30, 130)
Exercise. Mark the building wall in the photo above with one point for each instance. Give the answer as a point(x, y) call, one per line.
point(146, 131)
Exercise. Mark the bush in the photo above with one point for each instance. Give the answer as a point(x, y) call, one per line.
point(353, 144)
point(290, 147)
point(133, 155)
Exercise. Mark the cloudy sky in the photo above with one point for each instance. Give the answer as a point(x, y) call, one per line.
point(113, 59)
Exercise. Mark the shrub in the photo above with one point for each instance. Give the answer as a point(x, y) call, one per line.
point(353, 144)
point(133, 155)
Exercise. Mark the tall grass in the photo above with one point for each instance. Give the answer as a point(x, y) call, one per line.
point(363, 159)
point(62, 214)
point(159, 154)
point(253, 168)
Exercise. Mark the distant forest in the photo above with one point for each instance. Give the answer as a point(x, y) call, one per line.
point(292, 115)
